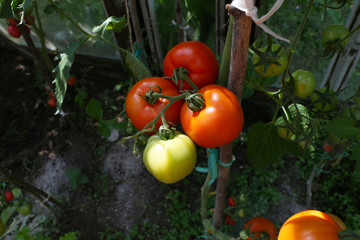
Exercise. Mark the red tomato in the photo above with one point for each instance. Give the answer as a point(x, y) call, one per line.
point(199, 60)
point(231, 201)
point(11, 21)
point(229, 220)
point(52, 102)
point(141, 112)
point(9, 196)
point(71, 81)
point(327, 147)
point(310, 225)
point(14, 31)
point(257, 226)
point(218, 123)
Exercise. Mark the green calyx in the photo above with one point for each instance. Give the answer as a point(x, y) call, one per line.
point(195, 102)
point(166, 133)
point(150, 96)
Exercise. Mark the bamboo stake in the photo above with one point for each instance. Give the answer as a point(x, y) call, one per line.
point(238, 64)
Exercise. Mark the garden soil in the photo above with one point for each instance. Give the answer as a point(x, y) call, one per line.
point(42, 148)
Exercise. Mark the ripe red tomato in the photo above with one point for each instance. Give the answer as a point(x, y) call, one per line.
point(257, 226)
point(14, 31)
point(11, 21)
point(71, 81)
point(9, 196)
point(199, 60)
point(231, 201)
point(327, 147)
point(309, 225)
point(141, 112)
point(229, 220)
point(52, 102)
point(218, 123)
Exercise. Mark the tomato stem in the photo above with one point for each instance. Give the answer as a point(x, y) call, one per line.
point(181, 74)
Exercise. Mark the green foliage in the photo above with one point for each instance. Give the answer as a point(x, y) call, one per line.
point(135, 66)
point(343, 127)
point(112, 23)
point(5, 9)
point(76, 177)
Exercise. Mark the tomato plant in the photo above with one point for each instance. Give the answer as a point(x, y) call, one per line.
point(25, 208)
point(171, 160)
point(222, 113)
point(310, 225)
point(9, 196)
point(142, 108)
point(197, 58)
point(334, 33)
point(14, 31)
point(2, 228)
point(259, 227)
point(304, 83)
point(229, 220)
point(231, 201)
point(274, 68)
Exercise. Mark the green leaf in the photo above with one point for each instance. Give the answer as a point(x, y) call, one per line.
point(62, 70)
point(135, 66)
point(94, 109)
point(114, 23)
point(264, 146)
point(69, 236)
point(76, 177)
point(5, 9)
point(7, 213)
point(50, 9)
point(342, 127)
point(24, 234)
point(81, 97)
point(356, 152)
point(104, 129)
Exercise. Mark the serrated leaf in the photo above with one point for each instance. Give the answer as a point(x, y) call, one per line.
point(135, 66)
point(114, 23)
point(342, 127)
point(94, 109)
point(62, 70)
point(264, 145)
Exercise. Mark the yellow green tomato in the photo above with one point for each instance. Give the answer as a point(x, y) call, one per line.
point(25, 208)
point(327, 106)
point(304, 84)
point(282, 129)
point(273, 69)
point(170, 161)
point(334, 32)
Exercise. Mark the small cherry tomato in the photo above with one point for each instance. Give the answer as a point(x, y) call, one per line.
point(334, 32)
point(25, 208)
point(9, 196)
point(52, 102)
point(71, 81)
point(304, 84)
point(197, 58)
point(14, 31)
point(259, 226)
point(231, 201)
point(327, 147)
point(229, 220)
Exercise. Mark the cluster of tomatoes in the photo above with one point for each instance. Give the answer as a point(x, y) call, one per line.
point(52, 100)
point(309, 224)
point(22, 206)
point(14, 30)
point(210, 115)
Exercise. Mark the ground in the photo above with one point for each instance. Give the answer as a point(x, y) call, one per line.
point(40, 147)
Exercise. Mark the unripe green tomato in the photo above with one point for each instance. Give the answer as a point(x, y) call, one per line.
point(321, 106)
point(25, 208)
point(282, 130)
point(2, 228)
point(170, 161)
point(334, 32)
point(273, 69)
point(305, 83)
